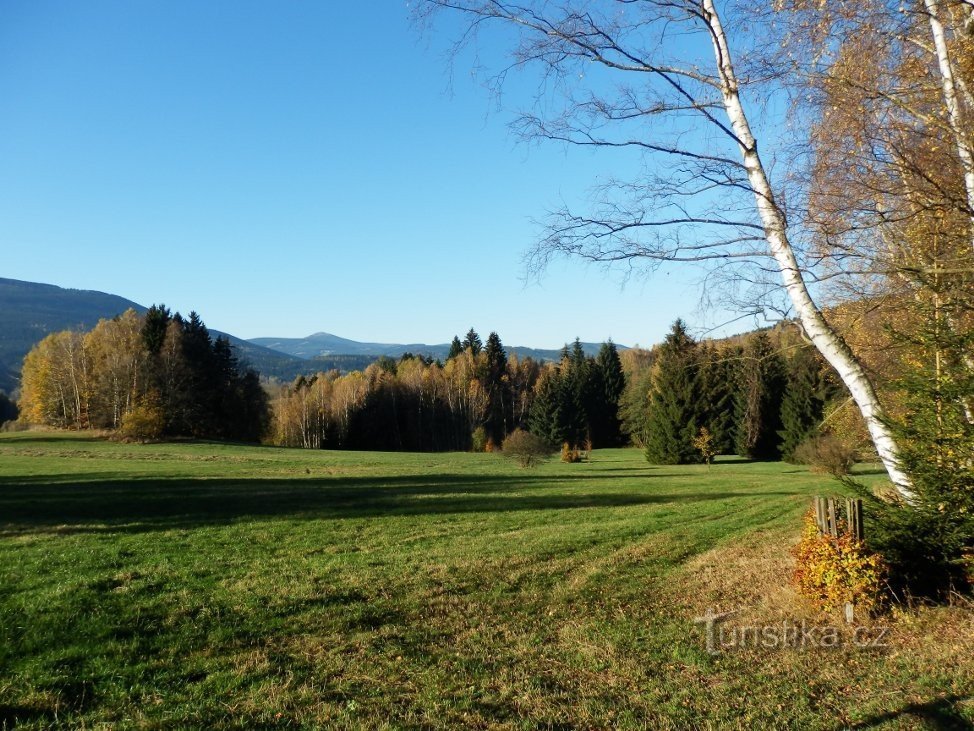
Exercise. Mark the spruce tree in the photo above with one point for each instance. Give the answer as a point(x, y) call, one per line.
point(545, 417)
point(612, 383)
point(496, 384)
point(718, 384)
point(456, 347)
point(759, 399)
point(674, 407)
point(580, 391)
point(472, 342)
point(154, 325)
point(929, 544)
point(803, 401)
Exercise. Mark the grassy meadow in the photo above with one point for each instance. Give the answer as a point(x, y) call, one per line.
point(204, 585)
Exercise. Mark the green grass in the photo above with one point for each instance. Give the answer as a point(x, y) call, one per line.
point(211, 585)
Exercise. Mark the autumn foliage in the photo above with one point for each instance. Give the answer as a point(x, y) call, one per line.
point(834, 571)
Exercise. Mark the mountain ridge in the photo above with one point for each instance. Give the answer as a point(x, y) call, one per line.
point(328, 344)
point(29, 311)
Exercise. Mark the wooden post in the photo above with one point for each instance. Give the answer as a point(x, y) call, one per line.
point(854, 513)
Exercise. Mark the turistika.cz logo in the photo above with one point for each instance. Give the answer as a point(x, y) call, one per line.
point(720, 636)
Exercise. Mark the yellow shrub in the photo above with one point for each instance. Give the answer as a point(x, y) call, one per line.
point(833, 571)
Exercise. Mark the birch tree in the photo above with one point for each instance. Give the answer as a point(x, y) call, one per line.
point(662, 77)
point(885, 89)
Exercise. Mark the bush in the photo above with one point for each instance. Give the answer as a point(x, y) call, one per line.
point(143, 423)
point(525, 448)
point(14, 426)
point(928, 550)
point(826, 454)
point(478, 440)
point(833, 571)
point(570, 454)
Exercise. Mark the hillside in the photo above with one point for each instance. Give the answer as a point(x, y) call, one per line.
point(325, 344)
point(29, 311)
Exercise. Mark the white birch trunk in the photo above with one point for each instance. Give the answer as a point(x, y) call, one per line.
point(825, 339)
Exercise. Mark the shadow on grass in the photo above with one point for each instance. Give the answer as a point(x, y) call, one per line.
point(108, 503)
point(941, 713)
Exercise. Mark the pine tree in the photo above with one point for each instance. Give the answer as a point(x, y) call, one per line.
point(674, 408)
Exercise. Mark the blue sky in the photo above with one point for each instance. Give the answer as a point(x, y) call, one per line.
point(285, 168)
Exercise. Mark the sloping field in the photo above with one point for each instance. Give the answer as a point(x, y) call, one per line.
point(211, 585)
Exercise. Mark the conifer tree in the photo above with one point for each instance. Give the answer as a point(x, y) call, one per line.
point(545, 418)
point(930, 542)
point(472, 342)
point(803, 401)
point(674, 408)
point(496, 383)
point(759, 399)
point(611, 382)
point(718, 376)
point(580, 391)
point(155, 324)
point(456, 347)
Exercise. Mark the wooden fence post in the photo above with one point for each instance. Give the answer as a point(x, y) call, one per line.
point(827, 515)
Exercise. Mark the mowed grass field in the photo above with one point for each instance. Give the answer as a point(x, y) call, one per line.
point(205, 585)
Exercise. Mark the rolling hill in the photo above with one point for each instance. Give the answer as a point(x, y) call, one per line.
point(325, 344)
point(29, 311)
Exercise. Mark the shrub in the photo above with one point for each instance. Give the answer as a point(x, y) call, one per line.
point(143, 423)
point(570, 454)
point(833, 571)
point(478, 440)
point(525, 448)
point(14, 426)
point(826, 454)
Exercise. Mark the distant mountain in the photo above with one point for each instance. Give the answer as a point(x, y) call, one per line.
point(29, 311)
point(325, 344)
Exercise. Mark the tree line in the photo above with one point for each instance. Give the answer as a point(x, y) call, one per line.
point(154, 375)
point(472, 401)
point(758, 398)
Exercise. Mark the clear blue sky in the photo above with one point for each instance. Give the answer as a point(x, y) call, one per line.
point(285, 168)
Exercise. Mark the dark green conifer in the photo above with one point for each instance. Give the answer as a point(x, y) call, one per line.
point(718, 372)
point(674, 408)
point(497, 385)
point(473, 342)
point(803, 401)
point(759, 399)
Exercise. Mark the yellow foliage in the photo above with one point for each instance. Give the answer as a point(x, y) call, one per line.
point(835, 571)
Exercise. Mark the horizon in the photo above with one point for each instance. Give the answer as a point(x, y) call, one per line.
point(217, 159)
